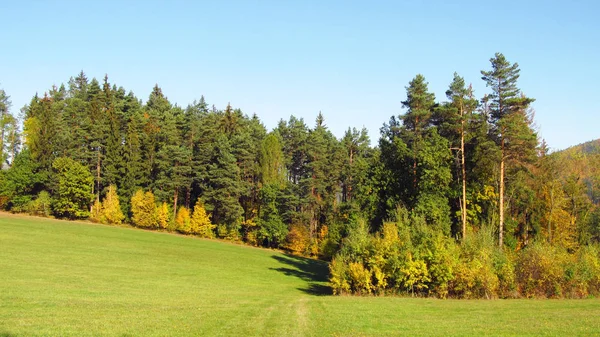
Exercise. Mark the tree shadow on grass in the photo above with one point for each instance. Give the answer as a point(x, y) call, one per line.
point(314, 272)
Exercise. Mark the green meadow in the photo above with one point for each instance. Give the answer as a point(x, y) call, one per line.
point(61, 278)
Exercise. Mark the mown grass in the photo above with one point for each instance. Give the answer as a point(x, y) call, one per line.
point(60, 278)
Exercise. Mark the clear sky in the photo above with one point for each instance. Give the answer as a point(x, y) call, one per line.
point(349, 59)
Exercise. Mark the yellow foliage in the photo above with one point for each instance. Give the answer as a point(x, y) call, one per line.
point(360, 278)
point(96, 212)
point(415, 274)
point(298, 239)
point(339, 279)
point(380, 280)
point(183, 220)
point(142, 208)
point(162, 215)
point(200, 223)
point(111, 209)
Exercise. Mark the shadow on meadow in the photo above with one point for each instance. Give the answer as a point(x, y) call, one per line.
point(314, 272)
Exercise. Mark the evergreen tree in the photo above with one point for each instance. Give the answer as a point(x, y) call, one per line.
point(454, 122)
point(223, 186)
point(272, 231)
point(174, 171)
point(509, 115)
point(113, 159)
point(420, 104)
point(271, 161)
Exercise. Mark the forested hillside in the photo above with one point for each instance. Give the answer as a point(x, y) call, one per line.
point(461, 181)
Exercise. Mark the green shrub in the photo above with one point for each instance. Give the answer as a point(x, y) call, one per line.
point(41, 204)
point(540, 271)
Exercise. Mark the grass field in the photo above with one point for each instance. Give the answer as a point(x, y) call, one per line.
point(60, 278)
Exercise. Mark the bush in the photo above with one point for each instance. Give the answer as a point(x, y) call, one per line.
point(162, 214)
point(183, 220)
point(585, 273)
point(200, 222)
point(541, 271)
point(339, 279)
point(74, 185)
point(111, 208)
point(41, 204)
point(360, 278)
point(297, 239)
point(143, 209)
point(96, 211)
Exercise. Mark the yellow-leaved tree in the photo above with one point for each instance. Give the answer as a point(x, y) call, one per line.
point(162, 215)
point(96, 211)
point(200, 222)
point(183, 220)
point(111, 208)
point(142, 209)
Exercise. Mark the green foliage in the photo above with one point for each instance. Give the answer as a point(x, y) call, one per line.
point(19, 182)
point(271, 228)
point(74, 189)
point(41, 205)
point(392, 212)
point(179, 280)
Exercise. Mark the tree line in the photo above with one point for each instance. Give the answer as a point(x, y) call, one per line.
point(458, 169)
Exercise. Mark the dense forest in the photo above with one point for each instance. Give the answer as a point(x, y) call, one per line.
point(459, 197)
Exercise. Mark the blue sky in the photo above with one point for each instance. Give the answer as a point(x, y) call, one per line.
point(349, 59)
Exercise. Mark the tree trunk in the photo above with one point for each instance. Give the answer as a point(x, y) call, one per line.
point(551, 213)
point(98, 175)
point(174, 204)
point(464, 177)
point(13, 147)
point(501, 225)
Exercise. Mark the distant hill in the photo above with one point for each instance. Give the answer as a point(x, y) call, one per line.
point(591, 147)
point(582, 163)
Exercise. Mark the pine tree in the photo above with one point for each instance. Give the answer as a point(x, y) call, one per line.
point(113, 158)
point(224, 187)
point(509, 115)
point(420, 104)
point(454, 122)
point(174, 172)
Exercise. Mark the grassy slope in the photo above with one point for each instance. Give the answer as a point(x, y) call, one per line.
point(66, 278)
